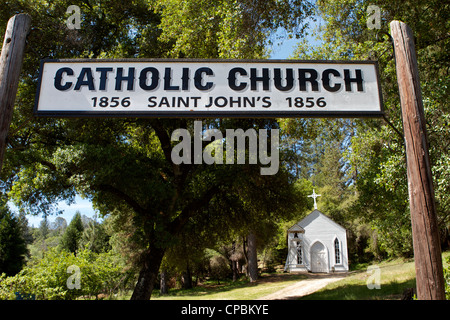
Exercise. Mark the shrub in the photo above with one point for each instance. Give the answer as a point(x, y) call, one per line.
point(447, 280)
point(60, 275)
point(219, 268)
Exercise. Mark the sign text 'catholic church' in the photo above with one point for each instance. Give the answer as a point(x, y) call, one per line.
point(208, 88)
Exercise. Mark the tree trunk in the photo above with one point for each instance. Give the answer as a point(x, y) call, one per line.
point(148, 274)
point(187, 278)
point(163, 283)
point(235, 270)
point(233, 259)
point(252, 262)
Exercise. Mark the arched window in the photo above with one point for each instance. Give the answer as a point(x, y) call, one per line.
point(337, 251)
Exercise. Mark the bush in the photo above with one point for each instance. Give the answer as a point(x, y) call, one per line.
point(447, 280)
point(219, 268)
point(12, 243)
point(60, 275)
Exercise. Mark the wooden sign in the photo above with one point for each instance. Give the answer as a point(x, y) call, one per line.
point(208, 88)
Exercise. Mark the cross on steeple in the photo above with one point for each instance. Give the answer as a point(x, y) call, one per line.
point(314, 196)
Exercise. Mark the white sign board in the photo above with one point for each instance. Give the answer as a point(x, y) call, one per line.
point(208, 88)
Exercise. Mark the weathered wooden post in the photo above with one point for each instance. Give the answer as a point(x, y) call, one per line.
point(10, 65)
point(427, 250)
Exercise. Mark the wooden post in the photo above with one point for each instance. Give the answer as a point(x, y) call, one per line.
point(10, 65)
point(427, 249)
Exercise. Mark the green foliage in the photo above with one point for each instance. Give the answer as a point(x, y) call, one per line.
point(373, 156)
point(12, 243)
point(95, 238)
point(227, 28)
point(220, 268)
point(72, 236)
point(44, 228)
point(447, 279)
point(50, 278)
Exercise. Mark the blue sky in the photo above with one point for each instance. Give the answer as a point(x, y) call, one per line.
point(81, 205)
point(284, 49)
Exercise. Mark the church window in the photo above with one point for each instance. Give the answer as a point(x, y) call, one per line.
point(337, 251)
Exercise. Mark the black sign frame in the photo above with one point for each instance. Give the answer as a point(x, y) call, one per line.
point(209, 114)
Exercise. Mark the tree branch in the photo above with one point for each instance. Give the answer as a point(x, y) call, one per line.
point(166, 146)
point(191, 209)
point(123, 196)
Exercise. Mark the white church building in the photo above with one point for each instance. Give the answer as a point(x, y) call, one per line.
point(316, 244)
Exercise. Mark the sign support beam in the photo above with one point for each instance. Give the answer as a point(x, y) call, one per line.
point(10, 65)
point(427, 250)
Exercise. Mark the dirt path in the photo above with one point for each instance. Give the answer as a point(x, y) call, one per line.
point(304, 287)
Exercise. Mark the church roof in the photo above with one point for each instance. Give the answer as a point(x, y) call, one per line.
point(296, 228)
point(313, 216)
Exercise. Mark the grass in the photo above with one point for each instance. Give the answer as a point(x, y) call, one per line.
point(239, 290)
point(395, 277)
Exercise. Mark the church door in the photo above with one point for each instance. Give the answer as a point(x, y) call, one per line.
point(319, 258)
